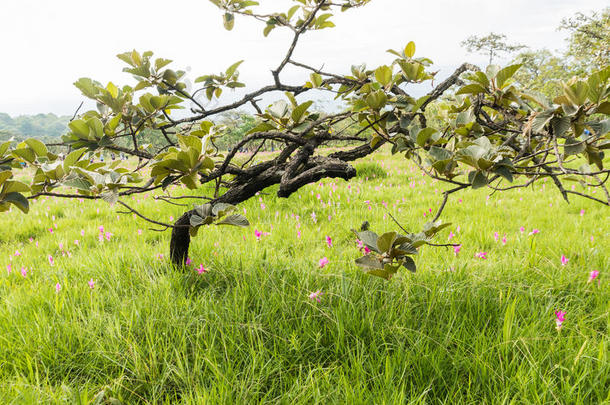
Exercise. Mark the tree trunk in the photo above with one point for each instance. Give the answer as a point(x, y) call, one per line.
point(181, 239)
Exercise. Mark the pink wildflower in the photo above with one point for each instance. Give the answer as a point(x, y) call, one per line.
point(481, 255)
point(323, 262)
point(534, 231)
point(451, 235)
point(91, 284)
point(582, 212)
point(188, 261)
point(108, 236)
point(559, 319)
point(50, 230)
point(24, 272)
point(101, 228)
point(522, 229)
point(82, 232)
point(258, 234)
point(51, 260)
point(76, 242)
point(564, 260)
point(329, 241)
point(57, 287)
point(201, 269)
point(17, 253)
point(593, 275)
point(9, 268)
point(299, 234)
point(316, 295)
point(139, 232)
point(496, 236)
point(504, 240)
point(456, 249)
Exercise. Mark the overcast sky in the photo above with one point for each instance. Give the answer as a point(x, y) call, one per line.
point(47, 45)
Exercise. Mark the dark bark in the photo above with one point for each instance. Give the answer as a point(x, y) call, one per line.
point(309, 170)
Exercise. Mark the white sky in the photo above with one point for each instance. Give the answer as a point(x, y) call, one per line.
point(47, 45)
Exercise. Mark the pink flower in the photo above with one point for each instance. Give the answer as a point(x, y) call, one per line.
point(263, 206)
point(17, 253)
point(108, 235)
point(534, 231)
point(76, 242)
point(201, 269)
point(564, 260)
point(367, 250)
point(258, 234)
point(50, 230)
point(82, 232)
point(91, 284)
point(593, 275)
point(31, 240)
point(57, 287)
point(456, 249)
point(360, 244)
point(101, 228)
point(522, 229)
point(9, 268)
point(451, 235)
point(496, 236)
point(323, 262)
point(51, 260)
point(559, 319)
point(160, 256)
point(582, 212)
point(24, 272)
point(299, 234)
point(139, 232)
point(329, 241)
point(504, 240)
point(481, 255)
point(188, 261)
point(315, 295)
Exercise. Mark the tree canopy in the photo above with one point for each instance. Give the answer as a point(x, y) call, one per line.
point(489, 132)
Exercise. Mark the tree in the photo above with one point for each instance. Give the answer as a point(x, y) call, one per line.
point(491, 132)
point(492, 44)
point(589, 42)
point(543, 72)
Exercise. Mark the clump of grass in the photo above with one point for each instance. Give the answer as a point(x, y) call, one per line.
point(370, 171)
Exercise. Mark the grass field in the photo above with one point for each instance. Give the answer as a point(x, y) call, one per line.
point(111, 319)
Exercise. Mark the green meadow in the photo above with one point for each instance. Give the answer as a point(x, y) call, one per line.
point(95, 317)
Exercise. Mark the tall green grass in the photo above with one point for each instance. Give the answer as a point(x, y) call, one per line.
point(460, 330)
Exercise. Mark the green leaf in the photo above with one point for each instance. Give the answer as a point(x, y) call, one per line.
point(383, 74)
point(222, 209)
point(503, 75)
point(573, 147)
point(235, 220)
point(196, 220)
point(542, 119)
point(376, 100)
point(410, 49)
point(471, 89)
point(39, 148)
point(369, 261)
point(297, 112)
point(18, 200)
point(424, 135)
point(231, 70)
point(369, 238)
point(409, 264)
point(80, 128)
point(386, 241)
point(477, 179)
point(4, 175)
point(14, 187)
point(228, 21)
